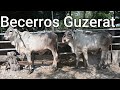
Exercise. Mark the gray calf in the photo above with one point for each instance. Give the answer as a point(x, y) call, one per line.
point(82, 41)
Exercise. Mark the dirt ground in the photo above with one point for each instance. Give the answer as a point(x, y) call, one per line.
point(66, 70)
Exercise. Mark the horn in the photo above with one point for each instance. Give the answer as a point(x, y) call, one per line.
point(10, 26)
point(15, 30)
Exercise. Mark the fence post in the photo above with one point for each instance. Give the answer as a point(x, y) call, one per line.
point(52, 20)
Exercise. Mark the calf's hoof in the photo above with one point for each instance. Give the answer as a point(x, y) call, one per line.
point(54, 67)
point(76, 67)
point(30, 71)
point(87, 67)
point(101, 66)
point(104, 67)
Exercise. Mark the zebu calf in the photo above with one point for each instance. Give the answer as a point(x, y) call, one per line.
point(26, 43)
point(82, 41)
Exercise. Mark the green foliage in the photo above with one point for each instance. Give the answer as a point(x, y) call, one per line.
point(91, 15)
point(101, 15)
point(2, 30)
point(62, 26)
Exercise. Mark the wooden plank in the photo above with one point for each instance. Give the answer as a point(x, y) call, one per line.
point(115, 43)
point(2, 33)
point(4, 42)
point(36, 62)
point(7, 49)
point(115, 36)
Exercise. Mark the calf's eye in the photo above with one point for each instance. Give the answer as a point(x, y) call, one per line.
point(69, 34)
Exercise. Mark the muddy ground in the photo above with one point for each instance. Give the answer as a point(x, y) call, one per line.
point(66, 70)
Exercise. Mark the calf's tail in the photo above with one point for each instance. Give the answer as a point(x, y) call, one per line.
point(56, 43)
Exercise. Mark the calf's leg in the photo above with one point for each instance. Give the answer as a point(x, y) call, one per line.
point(102, 61)
point(86, 63)
point(30, 62)
point(55, 58)
point(79, 57)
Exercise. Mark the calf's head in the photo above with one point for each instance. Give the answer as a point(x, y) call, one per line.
point(68, 36)
point(10, 33)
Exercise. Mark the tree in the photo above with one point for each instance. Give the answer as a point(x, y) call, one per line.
point(91, 15)
point(117, 18)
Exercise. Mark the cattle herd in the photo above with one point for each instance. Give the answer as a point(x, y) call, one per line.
point(80, 41)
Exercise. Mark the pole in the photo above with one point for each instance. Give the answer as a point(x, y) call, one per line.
point(52, 20)
point(114, 16)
